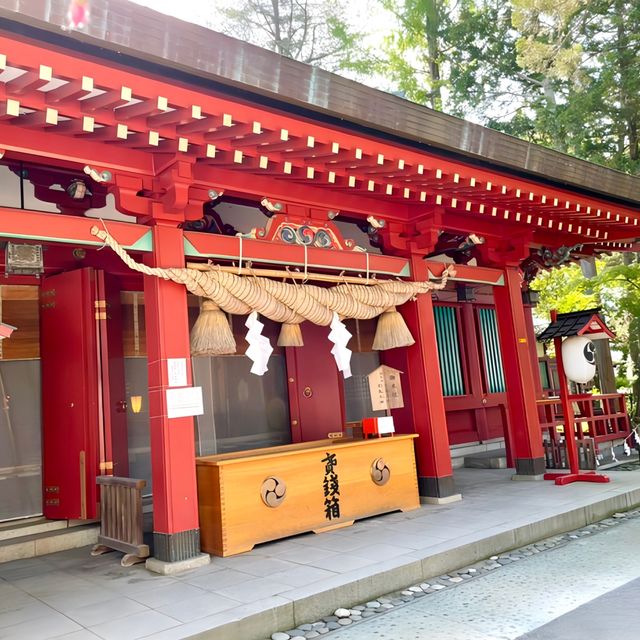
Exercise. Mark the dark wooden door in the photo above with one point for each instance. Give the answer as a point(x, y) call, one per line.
point(316, 396)
point(83, 410)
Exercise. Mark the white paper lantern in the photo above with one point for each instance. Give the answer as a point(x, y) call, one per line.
point(579, 359)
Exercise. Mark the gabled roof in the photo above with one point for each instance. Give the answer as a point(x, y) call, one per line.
point(139, 92)
point(577, 323)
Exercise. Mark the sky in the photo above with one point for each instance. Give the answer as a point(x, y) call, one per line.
point(203, 11)
point(190, 10)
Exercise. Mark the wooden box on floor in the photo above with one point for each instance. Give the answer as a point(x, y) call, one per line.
point(236, 491)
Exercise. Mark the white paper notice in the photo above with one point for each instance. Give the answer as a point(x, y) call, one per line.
point(184, 402)
point(385, 424)
point(177, 372)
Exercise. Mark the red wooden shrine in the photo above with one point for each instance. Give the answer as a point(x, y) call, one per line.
point(169, 144)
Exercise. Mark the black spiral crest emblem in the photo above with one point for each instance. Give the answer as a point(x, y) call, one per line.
point(590, 352)
point(273, 491)
point(380, 472)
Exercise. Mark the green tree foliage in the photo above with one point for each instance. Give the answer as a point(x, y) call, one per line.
point(619, 286)
point(617, 291)
point(414, 50)
point(311, 31)
point(450, 55)
point(564, 290)
point(563, 73)
point(586, 57)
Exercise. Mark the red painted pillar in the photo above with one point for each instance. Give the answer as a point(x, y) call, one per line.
point(424, 411)
point(176, 530)
point(533, 350)
point(525, 437)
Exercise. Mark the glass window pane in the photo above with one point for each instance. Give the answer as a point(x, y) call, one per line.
point(544, 374)
point(357, 398)
point(136, 389)
point(10, 186)
point(20, 405)
point(491, 349)
point(20, 448)
point(449, 350)
point(242, 410)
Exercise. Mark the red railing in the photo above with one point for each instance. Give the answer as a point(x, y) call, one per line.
point(601, 417)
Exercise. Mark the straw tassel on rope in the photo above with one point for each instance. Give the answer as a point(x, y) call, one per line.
point(392, 331)
point(290, 335)
point(211, 334)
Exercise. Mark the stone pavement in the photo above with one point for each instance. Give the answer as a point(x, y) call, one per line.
point(584, 590)
point(609, 616)
point(280, 585)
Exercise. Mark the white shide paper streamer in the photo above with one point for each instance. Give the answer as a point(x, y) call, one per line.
point(259, 348)
point(340, 337)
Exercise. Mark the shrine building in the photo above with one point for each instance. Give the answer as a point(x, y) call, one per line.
point(179, 146)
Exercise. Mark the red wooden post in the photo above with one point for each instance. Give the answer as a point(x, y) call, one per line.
point(567, 408)
point(424, 404)
point(533, 351)
point(525, 436)
point(175, 505)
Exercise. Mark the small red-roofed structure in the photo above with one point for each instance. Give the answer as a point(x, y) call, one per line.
point(567, 325)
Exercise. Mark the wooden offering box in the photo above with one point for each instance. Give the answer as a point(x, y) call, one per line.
point(255, 496)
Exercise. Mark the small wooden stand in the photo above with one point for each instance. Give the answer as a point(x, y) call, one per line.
point(121, 519)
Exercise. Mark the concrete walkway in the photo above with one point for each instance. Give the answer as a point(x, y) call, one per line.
point(283, 584)
point(582, 589)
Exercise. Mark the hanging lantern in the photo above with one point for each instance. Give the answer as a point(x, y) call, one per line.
point(579, 359)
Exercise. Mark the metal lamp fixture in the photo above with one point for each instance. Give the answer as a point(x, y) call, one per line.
point(136, 404)
point(77, 189)
point(24, 259)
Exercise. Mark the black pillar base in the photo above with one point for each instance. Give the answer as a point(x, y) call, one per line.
point(174, 547)
point(435, 487)
point(530, 466)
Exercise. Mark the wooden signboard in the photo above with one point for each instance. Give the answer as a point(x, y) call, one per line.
point(385, 388)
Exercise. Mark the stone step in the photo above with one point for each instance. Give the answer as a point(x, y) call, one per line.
point(39, 544)
point(496, 459)
point(29, 526)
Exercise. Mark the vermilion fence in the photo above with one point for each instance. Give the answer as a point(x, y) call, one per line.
point(601, 417)
point(597, 418)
